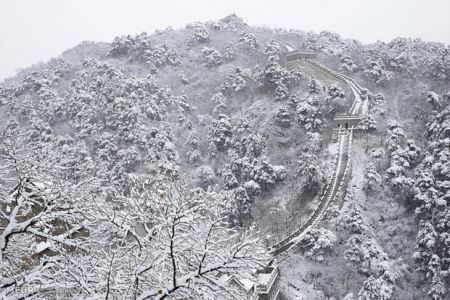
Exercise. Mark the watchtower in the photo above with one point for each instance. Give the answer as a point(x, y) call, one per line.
point(299, 55)
point(344, 122)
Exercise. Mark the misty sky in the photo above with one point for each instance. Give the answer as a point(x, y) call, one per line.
point(36, 30)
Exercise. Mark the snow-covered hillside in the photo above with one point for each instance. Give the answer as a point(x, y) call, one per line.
point(151, 166)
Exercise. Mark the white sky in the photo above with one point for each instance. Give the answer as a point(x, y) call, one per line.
point(36, 30)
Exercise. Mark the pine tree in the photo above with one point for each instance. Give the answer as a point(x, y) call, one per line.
point(283, 118)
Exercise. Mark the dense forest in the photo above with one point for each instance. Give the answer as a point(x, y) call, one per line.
point(153, 165)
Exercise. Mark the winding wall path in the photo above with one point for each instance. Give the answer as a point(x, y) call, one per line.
point(336, 187)
point(342, 166)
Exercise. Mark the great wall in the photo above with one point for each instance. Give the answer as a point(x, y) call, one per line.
point(267, 285)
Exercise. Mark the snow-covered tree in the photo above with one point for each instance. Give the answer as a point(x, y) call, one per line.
point(205, 176)
point(283, 118)
point(278, 173)
point(229, 52)
point(380, 286)
point(281, 91)
point(438, 289)
point(378, 104)
point(434, 99)
point(201, 34)
point(164, 241)
point(174, 247)
point(377, 153)
point(308, 113)
point(277, 79)
point(335, 91)
point(309, 171)
point(347, 65)
point(221, 132)
point(367, 124)
point(352, 221)
point(272, 51)
point(319, 242)
point(437, 68)
point(212, 150)
point(220, 103)
point(41, 215)
point(248, 41)
point(313, 86)
point(250, 145)
point(236, 82)
point(402, 160)
point(372, 178)
point(143, 49)
point(252, 188)
point(229, 180)
point(192, 148)
point(362, 250)
point(376, 70)
point(293, 101)
point(396, 173)
point(396, 135)
point(336, 100)
point(242, 204)
point(363, 253)
point(431, 189)
point(439, 125)
point(211, 57)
